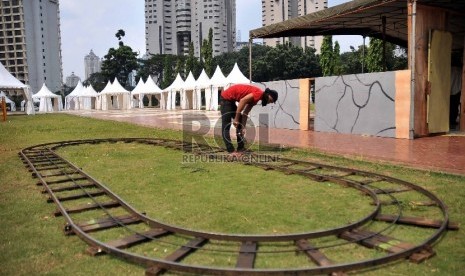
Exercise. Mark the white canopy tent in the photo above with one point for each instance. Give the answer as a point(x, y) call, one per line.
point(151, 88)
point(98, 101)
point(217, 81)
point(170, 92)
point(88, 98)
point(12, 86)
point(81, 98)
point(187, 94)
point(49, 102)
point(136, 98)
point(114, 96)
point(202, 83)
point(236, 77)
point(72, 99)
point(7, 101)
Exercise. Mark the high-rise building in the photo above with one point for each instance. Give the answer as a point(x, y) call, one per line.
point(30, 43)
point(72, 80)
point(92, 64)
point(170, 26)
point(275, 11)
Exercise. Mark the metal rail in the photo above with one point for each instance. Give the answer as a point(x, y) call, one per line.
point(68, 186)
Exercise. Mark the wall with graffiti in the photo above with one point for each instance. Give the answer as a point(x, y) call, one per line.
point(284, 113)
point(356, 104)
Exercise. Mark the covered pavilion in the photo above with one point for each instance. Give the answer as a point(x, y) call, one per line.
point(433, 31)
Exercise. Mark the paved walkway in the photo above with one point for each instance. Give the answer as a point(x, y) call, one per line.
point(444, 153)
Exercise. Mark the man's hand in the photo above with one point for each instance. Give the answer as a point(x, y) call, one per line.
point(236, 123)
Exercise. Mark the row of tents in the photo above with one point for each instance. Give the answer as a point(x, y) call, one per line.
point(115, 96)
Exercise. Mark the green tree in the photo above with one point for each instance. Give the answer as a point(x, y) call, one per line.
point(400, 60)
point(207, 53)
point(351, 62)
point(118, 63)
point(326, 56)
point(180, 66)
point(120, 34)
point(97, 80)
point(191, 60)
point(374, 59)
point(168, 71)
point(337, 59)
point(226, 61)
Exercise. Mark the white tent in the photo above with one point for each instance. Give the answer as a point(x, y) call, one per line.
point(136, 97)
point(12, 86)
point(151, 88)
point(170, 92)
point(99, 101)
point(72, 99)
point(202, 83)
point(218, 81)
point(187, 94)
point(88, 98)
point(49, 101)
point(114, 96)
point(236, 76)
point(7, 101)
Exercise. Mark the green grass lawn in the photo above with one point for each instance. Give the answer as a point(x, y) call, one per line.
point(219, 197)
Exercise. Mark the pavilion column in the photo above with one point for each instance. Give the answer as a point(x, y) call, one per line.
point(462, 98)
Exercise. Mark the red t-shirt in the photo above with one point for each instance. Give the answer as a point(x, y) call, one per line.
point(239, 91)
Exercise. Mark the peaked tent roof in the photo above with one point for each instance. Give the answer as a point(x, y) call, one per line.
point(203, 81)
point(107, 88)
point(177, 84)
point(77, 90)
point(218, 78)
point(139, 87)
point(89, 91)
point(44, 92)
point(151, 87)
point(8, 81)
point(365, 18)
point(190, 82)
point(115, 88)
point(236, 76)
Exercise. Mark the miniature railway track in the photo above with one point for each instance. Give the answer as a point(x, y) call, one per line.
point(89, 207)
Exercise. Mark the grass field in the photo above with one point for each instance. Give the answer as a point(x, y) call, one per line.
point(222, 197)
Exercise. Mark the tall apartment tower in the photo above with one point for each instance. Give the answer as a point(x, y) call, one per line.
point(72, 80)
point(275, 11)
point(170, 26)
point(30, 42)
point(92, 64)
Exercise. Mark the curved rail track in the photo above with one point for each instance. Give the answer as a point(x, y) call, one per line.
point(69, 187)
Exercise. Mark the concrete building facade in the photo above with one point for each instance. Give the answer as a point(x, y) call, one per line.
point(92, 64)
point(275, 11)
point(72, 80)
point(30, 42)
point(170, 26)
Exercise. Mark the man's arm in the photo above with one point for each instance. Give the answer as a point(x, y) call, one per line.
point(245, 104)
point(245, 114)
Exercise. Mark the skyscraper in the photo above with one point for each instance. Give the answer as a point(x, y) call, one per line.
point(30, 43)
point(275, 11)
point(72, 80)
point(92, 64)
point(171, 25)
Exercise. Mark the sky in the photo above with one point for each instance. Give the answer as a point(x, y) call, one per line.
point(91, 25)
